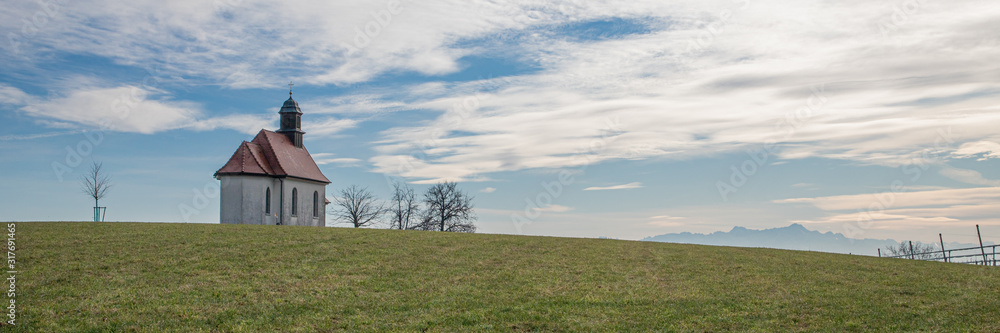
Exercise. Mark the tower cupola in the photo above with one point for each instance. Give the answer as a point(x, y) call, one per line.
point(291, 121)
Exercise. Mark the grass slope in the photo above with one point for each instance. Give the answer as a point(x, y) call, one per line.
point(151, 277)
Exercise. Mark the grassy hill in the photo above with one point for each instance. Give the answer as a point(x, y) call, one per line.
point(151, 277)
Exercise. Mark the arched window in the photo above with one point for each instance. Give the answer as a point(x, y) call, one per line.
point(267, 201)
point(295, 201)
point(316, 204)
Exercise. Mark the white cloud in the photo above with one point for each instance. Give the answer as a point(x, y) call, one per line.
point(134, 109)
point(257, 44)
point(328, 126)
point(615, 187)
point(968, 176)
point(982, 149)
point(56, 124)
point(488, 190)
point(553, 209)
point(353, 104)
point(907, 211)
point(667, 221)
point(968, 196)
point(243, 123)
point(665, 217)
point(13, 137)
point(674, 91)
point(328, 158)
point(12, 96)
point(874, 99)
point(925, 188)
point(126, 108)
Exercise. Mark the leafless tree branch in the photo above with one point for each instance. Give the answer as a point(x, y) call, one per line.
point(403, 207)
point(358, 207)
point(96, 182)
point(448, 209)
point(919, 251)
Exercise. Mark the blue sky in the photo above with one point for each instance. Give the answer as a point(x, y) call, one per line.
point(877, 119)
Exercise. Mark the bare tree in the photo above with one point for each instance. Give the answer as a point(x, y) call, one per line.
point(448, 209)
point(95, 183)
point(403, 208)
point(357, 206)
point(919, 251)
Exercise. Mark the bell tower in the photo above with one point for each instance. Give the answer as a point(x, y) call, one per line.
point(291, 120)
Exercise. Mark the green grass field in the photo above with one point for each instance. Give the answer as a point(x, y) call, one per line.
point(153, 277)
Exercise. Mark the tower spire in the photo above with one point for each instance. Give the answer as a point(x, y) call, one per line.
point(291, 120)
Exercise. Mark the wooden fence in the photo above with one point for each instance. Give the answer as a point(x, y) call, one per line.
point(979, 255)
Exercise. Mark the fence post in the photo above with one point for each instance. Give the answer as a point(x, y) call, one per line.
point(943, 255)
point(880, 252)
point(911, 251)
point(981, 248)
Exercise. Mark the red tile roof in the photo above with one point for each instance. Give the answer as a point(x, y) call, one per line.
point(272, 154)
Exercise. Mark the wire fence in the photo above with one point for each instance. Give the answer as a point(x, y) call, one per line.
point(977, 255)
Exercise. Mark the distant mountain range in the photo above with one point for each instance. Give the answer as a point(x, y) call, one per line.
point(792, 237)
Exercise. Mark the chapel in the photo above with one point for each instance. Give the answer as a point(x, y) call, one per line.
point(272, 179)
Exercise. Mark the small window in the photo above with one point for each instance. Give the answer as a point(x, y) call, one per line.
point(267, 201)
point(316, 204)
point(295, 201)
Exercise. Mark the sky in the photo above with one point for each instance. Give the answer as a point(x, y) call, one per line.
point(620, 119)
